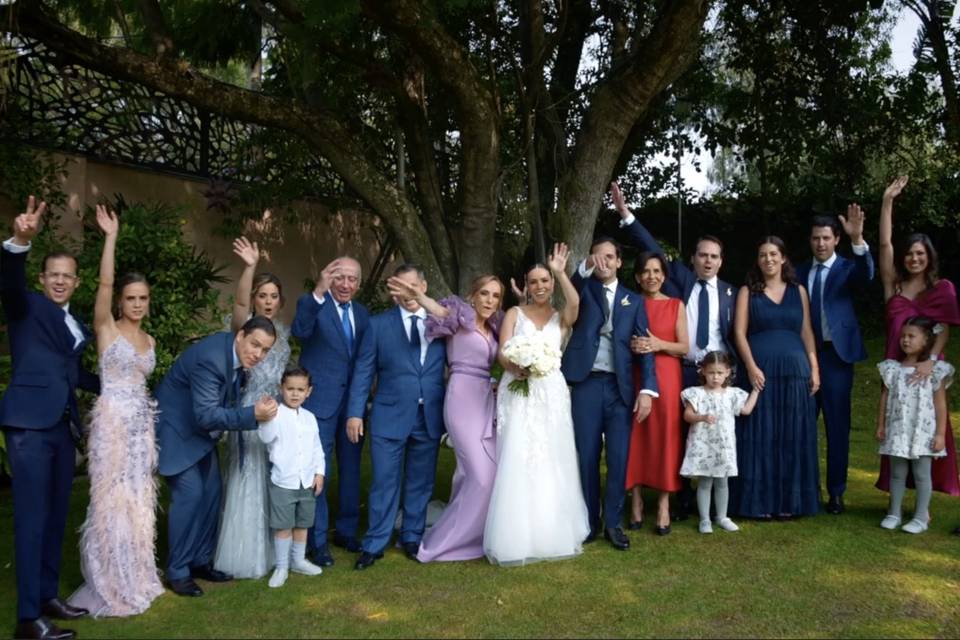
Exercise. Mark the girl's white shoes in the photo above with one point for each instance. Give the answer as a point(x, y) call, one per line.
point(706, 527)
point(890, 522)
point(724, 523)
point(914, 526)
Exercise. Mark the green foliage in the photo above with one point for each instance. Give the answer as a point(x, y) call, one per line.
point(184, 305)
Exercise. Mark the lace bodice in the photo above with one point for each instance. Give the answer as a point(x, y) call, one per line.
point(122, 366)
point(552, 331)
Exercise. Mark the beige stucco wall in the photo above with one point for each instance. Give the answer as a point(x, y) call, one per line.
point(293, 251)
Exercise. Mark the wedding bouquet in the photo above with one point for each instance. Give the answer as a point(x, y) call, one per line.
point(533, 353)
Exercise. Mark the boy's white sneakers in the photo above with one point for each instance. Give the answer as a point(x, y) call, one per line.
point(278, 578)
point(305, 567)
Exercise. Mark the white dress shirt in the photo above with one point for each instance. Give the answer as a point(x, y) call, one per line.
point(293, 444)
point(422, 315)
point(858, 249)
point(72, 325)
point(714, 336)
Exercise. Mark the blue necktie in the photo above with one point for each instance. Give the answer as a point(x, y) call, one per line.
point(347, 327)
point(239, 381)
point(703, 316)
point(415, 339)
point(816, 295)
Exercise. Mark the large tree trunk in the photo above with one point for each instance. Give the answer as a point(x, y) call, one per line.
point(616, 105)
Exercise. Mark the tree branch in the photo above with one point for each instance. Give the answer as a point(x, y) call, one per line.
point(327, 135)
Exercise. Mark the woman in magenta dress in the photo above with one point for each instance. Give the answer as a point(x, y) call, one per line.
point(911, 287)
point(656, 443)
point(470, 328)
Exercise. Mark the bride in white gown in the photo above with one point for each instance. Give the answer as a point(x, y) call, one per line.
point(537, 510)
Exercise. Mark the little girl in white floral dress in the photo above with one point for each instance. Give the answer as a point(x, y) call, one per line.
point(912, 421)
point(711, 455)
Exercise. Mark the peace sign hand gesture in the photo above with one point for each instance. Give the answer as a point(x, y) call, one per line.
point(26, 225)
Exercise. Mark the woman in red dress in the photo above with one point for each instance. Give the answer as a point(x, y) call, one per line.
point(912, 287)
point(656, 444)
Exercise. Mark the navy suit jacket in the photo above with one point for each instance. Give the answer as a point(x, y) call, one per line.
point(681, 280)
point(46, 365)
point(324, 350)
point(629, 319)
point(843, 279)
point(196, 398)
point(385, 354)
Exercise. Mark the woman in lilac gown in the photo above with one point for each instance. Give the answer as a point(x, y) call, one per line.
point(470, 328)
point(912, 287)
point(117, 539)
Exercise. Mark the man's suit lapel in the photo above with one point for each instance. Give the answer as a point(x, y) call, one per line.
point(231, 388)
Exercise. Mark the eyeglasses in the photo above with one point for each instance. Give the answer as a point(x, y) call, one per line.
point(56, 275)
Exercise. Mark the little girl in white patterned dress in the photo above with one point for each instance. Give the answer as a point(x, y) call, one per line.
point(711, 455)
point(912, 421)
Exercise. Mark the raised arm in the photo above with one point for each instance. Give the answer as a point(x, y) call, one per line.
point(558, 266)
point(741, 322)
point(863, 262)
point(250, 254)
point(809, 342)
point(13, 275)
point(888, 273)
point(103, 322)
point(403, 289)
point(309, 305)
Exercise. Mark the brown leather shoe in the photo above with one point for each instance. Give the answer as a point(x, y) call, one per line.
point(43, 629)
point(60, 610)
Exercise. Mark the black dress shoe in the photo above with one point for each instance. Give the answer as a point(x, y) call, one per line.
point(591, 536)
point(60, 610)
point(835, 505)
point(321, 557)
point(618, 540)
point(635, 525)
point(411, 549)
point(662, 531)
point(42, 628)
point(956, 531)
point(366, 560)
point(208, 573)
point(345, 542)
point(186, 587)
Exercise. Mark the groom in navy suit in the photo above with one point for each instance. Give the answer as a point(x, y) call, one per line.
point(38, 414)
point(598, 363)
point(831, 281)
point(405, 422)
point(330, 324)
point(198, 399)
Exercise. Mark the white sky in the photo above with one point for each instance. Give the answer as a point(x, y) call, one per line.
point(901, 44)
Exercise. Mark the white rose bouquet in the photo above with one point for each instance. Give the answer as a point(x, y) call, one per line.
point(535, 355)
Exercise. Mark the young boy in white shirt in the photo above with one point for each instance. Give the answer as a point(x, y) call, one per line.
point(296, 475)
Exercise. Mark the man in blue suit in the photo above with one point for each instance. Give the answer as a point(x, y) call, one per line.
point(37, 412)
point(406, 419)
point(198, 399)
point(598, 363)
point(330, 325)
point(831, 281)
point(710, 303)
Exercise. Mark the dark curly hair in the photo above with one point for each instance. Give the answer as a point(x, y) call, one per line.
point(755, 280)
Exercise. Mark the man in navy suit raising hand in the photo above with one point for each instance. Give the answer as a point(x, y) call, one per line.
point(36, 414)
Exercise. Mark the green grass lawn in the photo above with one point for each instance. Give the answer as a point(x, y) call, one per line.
point(814, 577)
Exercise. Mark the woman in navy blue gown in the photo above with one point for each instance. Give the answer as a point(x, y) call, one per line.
point(777, 443)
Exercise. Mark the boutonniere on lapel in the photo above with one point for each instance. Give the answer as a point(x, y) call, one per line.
point(624, 301)
point(729, 291)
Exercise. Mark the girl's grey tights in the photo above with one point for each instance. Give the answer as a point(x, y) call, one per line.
point(721, 496)
point(898, 485)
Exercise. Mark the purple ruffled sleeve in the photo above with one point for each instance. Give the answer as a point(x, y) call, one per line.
point(461, 315)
